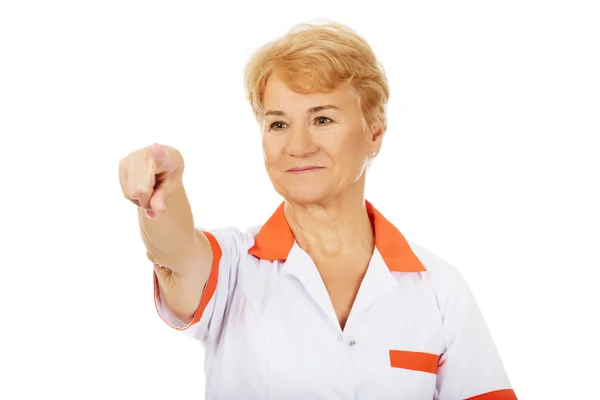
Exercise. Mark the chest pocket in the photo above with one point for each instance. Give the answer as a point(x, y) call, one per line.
point(397, 351)
point(400, 374)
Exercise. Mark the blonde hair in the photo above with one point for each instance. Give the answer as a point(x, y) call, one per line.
point(320, 57)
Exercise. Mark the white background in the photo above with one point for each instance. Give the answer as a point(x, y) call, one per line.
point(491, 161)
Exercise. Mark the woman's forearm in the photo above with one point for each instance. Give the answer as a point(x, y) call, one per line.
point(170, 237)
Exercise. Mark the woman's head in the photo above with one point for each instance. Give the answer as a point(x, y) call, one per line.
point(320, 96)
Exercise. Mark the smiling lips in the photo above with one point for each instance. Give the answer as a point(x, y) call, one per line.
point(305, 169)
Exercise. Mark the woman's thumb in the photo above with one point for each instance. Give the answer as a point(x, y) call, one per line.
point(158, 201)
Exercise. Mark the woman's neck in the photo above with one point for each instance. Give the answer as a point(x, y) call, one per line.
point(338, 227)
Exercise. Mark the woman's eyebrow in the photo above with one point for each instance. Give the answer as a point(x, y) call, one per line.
point(321, 108)
point(275, 112)
point(310, 110)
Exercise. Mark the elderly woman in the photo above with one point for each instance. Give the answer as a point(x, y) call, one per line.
point(327, 299)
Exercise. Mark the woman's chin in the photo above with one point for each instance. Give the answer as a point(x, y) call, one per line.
point(305, 195)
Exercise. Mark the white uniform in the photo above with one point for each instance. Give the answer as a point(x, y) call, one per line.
point(270, 330)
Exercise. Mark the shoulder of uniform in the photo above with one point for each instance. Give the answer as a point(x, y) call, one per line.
point(436, 267)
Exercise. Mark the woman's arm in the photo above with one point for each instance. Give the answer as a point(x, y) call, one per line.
point(152, 179)
point(182, 255)
point(470, 367)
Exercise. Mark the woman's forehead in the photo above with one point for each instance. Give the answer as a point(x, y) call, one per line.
point(278, 97)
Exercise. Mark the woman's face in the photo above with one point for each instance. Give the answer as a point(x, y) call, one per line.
point(315, 146)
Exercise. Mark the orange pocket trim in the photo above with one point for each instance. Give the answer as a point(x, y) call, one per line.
point(424, 362)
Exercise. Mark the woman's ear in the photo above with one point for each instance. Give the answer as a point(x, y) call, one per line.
point(377, 129)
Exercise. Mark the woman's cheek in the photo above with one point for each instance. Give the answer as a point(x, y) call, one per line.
point(273, 150)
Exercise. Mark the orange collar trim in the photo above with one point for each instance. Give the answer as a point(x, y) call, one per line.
point(275, 240)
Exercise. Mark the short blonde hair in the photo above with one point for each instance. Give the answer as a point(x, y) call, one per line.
point(320, 57)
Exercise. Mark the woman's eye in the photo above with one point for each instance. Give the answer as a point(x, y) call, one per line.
point(323, 120)
point(278, 125)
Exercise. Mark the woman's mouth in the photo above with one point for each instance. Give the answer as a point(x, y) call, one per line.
point(305, 169)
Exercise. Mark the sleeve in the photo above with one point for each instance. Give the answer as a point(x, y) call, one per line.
point(470, 366)
point(208, 318)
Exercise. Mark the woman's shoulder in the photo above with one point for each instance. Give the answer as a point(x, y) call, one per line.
point(438, 270)
point(444, 278)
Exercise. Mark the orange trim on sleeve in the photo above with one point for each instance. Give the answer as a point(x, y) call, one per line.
point(211, 283)
point(424, 362)
point(209, 289)
point(505, 394)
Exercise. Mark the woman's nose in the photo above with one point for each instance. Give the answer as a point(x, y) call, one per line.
point(301, 142)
